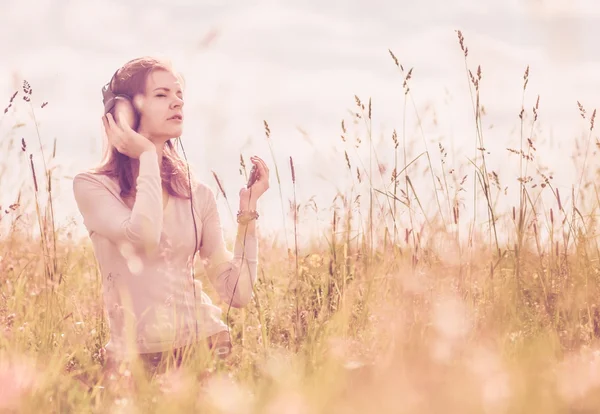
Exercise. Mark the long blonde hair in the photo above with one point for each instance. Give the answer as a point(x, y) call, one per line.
point(130, 80)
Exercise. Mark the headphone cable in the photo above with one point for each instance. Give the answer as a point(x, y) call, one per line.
point(196, 248)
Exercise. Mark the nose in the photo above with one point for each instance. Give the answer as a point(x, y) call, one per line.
point(177, 102)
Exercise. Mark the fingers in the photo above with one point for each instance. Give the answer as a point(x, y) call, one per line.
point(111, 121)
point(105, 126)
point(263, 171)
point(112, 131)
point(262, 166)
point(122, 122)
point(105, 123)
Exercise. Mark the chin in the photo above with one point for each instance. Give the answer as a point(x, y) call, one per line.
point(173, 132)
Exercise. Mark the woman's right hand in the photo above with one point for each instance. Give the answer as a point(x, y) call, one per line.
point(125, 139)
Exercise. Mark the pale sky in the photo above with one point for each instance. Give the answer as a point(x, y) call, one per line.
point(299, 65)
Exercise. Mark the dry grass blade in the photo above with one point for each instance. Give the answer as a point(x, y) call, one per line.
point(221, 188)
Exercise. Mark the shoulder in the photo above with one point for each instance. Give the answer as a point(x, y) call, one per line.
point(202, 189)
point(204, 197)
point(90, 180)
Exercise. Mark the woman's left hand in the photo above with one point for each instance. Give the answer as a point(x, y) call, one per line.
point(260, 186)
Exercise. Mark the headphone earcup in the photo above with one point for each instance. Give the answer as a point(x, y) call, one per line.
point(133, 113)
point(136, 112)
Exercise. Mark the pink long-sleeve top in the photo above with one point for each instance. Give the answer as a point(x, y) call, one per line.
point(145, 257)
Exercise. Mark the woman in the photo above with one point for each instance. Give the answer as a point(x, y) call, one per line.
point(137, 207)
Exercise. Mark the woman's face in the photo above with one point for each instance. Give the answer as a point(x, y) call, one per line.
point(161, 107)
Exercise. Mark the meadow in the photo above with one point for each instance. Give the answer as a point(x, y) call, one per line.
point(414, 299)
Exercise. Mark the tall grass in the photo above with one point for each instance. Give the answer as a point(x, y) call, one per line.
point(396, 312)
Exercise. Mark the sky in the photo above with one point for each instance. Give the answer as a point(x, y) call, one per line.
point(299, 65)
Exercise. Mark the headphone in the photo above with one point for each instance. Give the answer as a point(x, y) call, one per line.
point(109, 98)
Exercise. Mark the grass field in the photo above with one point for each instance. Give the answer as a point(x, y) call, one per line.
point(407, 304)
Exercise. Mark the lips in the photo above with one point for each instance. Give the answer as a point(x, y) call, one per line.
point(176, 117)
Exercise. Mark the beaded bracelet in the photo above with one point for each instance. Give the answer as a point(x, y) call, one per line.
point(244, 217)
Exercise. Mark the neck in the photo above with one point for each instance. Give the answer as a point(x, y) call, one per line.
point(159, 151)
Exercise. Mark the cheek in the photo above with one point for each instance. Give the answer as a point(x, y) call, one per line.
point(152, 121)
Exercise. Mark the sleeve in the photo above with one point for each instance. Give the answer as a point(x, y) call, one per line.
point(105, 213)
point(226, 269)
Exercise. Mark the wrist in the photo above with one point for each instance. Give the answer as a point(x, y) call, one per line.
point(148, 154)
point(148, 150)
point(247, 204)
point(244, 217)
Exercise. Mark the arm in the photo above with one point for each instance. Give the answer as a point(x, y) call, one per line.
point(225, 268)
point(105, 214)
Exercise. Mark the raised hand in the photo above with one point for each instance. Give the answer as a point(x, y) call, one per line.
point(125, 139)
point(124, 111)
point(260, 185)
